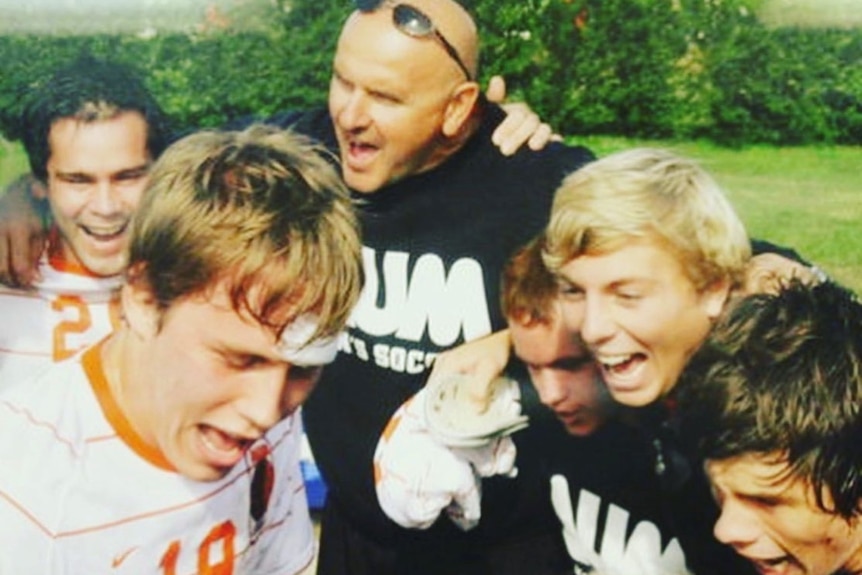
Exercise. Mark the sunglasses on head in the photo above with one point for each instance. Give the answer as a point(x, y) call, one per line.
point(415, 23)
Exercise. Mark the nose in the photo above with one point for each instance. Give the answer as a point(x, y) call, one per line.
point(352, 111)
point(263, 403)
point(736, 527)
point(596, 323)
point(104, 199)
point(275, 393)
point(551, 388)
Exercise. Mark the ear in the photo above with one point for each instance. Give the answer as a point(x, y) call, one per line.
point(140, 308)
point(714, 298)
point(459, 108)
point(38, 189)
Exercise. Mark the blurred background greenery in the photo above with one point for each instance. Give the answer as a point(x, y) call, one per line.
point(731, 71)
point(767, 93)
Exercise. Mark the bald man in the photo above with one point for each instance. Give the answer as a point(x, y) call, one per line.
point(441, 210)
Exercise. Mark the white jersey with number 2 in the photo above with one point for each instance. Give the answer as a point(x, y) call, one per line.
point(68, 310)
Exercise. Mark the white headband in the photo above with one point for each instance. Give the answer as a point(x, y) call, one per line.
point(294, 345)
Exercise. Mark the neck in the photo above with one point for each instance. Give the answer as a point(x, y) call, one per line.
point(121, 362)
point(448, 146)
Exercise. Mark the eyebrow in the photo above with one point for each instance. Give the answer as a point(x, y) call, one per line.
point(778, 495)
point(627, 281)
point(133, 170)
point(142, 168)
point(771, 499)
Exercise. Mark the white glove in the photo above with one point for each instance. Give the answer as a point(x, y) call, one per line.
point(417, 477)
point(453, 419)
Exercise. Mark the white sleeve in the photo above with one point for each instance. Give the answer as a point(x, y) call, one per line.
point(417, 478)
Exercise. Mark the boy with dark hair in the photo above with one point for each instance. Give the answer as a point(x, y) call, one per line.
point(88, 90)
point(92, 131)
point(773, 404)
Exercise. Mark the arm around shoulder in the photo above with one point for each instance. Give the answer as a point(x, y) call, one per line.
point(24, 217)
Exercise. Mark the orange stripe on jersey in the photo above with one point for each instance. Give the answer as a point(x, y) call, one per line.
point(26, 513)
point(391, 426)
point(25, 352)
point(378, 473)
point(58, 260)
point(92, 363)
point(127, 519)
point(18, 293)
point(27, 415)
point(161, 511)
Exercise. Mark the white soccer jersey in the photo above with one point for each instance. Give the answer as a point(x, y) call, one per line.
point(66, 312)
point(80, 493)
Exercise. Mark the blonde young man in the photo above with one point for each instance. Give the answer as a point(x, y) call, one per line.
point(597, 467)
point(610, 507)
point(647, 251)
point(172, 446)
point(92, 131)
point(773, 403)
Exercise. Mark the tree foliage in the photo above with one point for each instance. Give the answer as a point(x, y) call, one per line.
point(642, 68)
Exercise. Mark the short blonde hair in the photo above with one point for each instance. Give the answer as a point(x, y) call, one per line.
point(261, 209)
point(654, 193)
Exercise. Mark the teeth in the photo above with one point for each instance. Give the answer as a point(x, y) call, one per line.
point(104, 232)
point(613, 360)
point(228, 443)
point(214, 447)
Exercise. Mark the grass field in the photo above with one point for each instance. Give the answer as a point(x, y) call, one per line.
point(808, 198)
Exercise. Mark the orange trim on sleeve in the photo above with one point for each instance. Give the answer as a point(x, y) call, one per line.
point(391, 426)
point(92, 364)
point(378, 473)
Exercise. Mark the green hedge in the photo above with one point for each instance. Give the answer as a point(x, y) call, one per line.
point(201, 79)
point(635, 68)
point(678, 68)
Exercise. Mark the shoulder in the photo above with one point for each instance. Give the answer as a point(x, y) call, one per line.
point(65, 281)
point(57, 402)
point(45, 424)
point(759, 246)
point(315, 123)
point(282, 119)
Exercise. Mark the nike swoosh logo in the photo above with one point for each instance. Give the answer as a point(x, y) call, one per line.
point(118, 560)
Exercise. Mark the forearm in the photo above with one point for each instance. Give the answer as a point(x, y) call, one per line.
point(24, 221)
